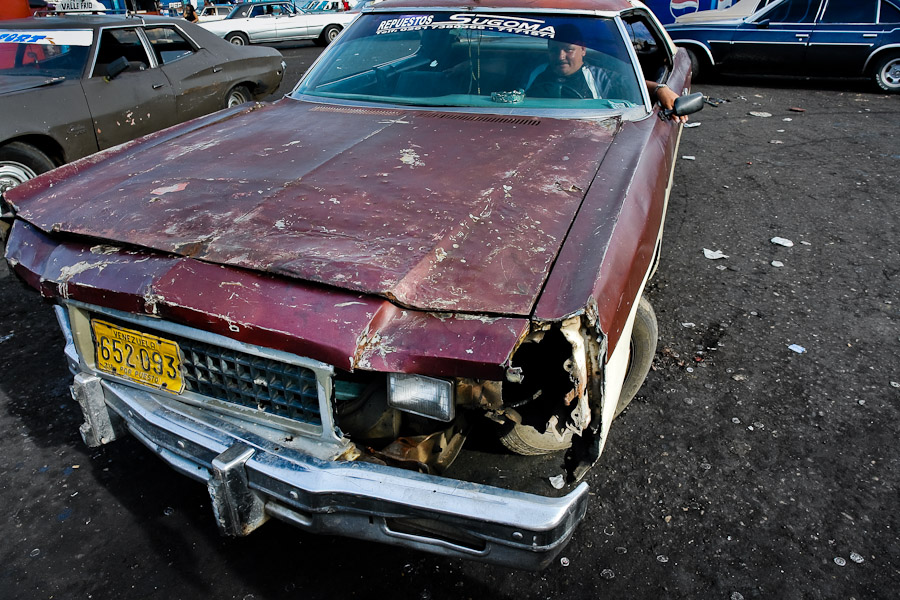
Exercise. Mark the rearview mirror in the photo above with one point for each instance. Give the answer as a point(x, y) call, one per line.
point(764, 24)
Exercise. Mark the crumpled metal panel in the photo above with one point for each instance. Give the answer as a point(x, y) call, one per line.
point(347, 330)
point(436, 213)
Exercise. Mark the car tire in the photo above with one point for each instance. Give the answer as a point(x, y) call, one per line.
point(237, 38)
point(644, 337)
point(238, 95)
point(20, 162)
point(696, 66)
point(887, 72)
point(526, 440)
point(328, 35)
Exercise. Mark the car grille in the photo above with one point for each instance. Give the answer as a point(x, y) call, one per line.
point(251, 381)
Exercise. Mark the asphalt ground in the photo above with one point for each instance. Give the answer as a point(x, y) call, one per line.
point(744, 469)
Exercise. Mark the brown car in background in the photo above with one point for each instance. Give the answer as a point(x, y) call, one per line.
point(75, 84)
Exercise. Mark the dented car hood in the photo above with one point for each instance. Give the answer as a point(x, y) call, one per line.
point(433, 210)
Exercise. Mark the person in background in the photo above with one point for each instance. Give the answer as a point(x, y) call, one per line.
point(189, 13)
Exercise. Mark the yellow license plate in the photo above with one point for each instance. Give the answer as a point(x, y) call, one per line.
point(145, 359)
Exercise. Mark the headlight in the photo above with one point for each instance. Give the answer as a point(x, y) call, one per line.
point(420, 395)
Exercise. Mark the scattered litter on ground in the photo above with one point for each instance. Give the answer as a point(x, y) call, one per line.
point(6, 337)
point(806, 243)
point(662, 558)
point(689, 157)
point(721, 267)
point(739, 377)
point(775, 142)
point(840, 561)
point(714, 102)
point(688, 325)
point(34, 552)
point(777, 263)
point(857, 558)
point(782, 241)
point(787, 119)
point(690, 125)
point(735, 420)
point(895, 384)
point(607, 574)
point(760, 113)
point(621, 550)
point(564, 561)
point(797, 109)
point(169, 511)
point(558, 481)
point(737, 596)
point(797, 348)
point(713, 254)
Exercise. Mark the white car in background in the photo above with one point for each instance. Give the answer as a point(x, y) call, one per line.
point(215, 12)
point(259, 22)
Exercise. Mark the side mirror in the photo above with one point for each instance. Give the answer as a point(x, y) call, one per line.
point(684, 105)
point(764, 24)
point(688, 105)
point(116, 67)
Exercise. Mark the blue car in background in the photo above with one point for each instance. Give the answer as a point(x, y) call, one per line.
point(817, 38)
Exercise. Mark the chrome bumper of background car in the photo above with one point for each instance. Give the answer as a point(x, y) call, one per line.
point(250, 478)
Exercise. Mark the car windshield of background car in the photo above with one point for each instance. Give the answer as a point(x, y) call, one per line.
point(492, 61)
point(47, 54)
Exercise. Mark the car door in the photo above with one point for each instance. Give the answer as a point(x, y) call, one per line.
point(195, 72)
point(138, 101)
point(261, 25)
point(843, 37)
point(292, 24)
point(774, 41)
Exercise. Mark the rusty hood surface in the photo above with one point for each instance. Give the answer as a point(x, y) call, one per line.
point(432, 210)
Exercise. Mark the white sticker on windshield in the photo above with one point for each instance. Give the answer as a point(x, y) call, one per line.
point(74, 37)
point(500, 23)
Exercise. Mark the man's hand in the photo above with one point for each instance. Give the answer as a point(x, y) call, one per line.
point(666, 99)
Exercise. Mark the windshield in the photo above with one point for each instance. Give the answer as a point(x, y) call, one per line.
point(44, 53)
point(450, 59)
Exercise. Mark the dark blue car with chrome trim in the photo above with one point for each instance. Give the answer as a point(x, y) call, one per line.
point(819, 38)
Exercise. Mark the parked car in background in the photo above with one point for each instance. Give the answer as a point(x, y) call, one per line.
point(432, 240)
point(215, 12)
point(260, 22)
point(738, 10)
point(73, 85)
point(816, 38)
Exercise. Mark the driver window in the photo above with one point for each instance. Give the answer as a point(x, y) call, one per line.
point(116, 43)
point(652, 52)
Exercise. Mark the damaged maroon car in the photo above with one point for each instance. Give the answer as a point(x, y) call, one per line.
point(393, 304)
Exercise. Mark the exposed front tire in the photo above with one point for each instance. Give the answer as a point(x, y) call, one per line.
point(20, 162)
point(527, 440)
point(328, 35)
point(239, 94)
point(887, 72)
point(237, 38)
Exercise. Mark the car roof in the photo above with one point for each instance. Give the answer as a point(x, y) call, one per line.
point(529, 5)
point(84, 21)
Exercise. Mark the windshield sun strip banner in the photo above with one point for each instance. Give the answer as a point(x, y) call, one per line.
point(499, 23)
point(69, 37)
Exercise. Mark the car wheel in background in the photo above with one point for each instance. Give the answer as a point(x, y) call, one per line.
point(237, 38)
point(20, 162)
point(887, 72)
point(696, 67)
point(328, 35)
point(238, 95)
point(526, 440)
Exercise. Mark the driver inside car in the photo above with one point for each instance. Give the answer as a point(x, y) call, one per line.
point(567, 76)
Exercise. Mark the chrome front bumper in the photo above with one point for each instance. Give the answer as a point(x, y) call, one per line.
point(251, 477)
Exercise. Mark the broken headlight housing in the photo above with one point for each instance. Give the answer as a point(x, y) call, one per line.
point(420, 395)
